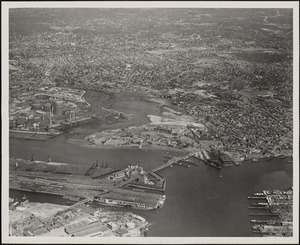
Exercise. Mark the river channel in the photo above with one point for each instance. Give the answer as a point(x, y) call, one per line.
point(201, 201)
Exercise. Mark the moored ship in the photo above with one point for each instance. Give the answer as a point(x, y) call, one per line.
point(133, 199)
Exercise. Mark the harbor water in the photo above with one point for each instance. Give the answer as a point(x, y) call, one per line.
point(201, 201)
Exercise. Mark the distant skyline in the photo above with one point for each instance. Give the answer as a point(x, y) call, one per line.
point(119, 84)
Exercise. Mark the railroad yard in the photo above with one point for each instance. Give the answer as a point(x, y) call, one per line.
point(77, 182)
point(215, 85)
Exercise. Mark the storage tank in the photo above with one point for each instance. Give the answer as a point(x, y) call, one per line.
point(47, 107)
point(58, 107)
point(36, 106)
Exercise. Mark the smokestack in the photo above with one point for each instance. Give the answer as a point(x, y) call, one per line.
point(50, 116)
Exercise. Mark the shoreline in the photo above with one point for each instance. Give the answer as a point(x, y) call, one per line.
point(85, 143)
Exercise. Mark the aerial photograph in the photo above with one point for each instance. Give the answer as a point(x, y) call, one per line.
point(150, 122)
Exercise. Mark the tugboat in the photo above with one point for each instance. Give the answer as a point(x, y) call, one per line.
point(259, 194)
point(254, 159)
point(213, 164)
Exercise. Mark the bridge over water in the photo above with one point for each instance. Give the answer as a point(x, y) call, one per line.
point(127, 181)
point(171, 162)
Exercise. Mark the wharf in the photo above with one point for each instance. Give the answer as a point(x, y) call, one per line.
point(149, 188)
point(212, 164)
point(260, 204)
point(57, 168)
point(80, 122)
point(31, 135)
point(261, 207)
point(196, 158)
point(83, 182)
point(268, 222)
point(263, 214)
point(257, 197)
point(182, 164)
point(135, 199)
point(279, 203)
point(190, 162)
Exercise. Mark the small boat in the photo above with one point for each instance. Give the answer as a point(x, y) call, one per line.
point(213, 164)
point(259, 194)
point(182, 164)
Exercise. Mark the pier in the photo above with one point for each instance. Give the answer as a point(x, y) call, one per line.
point(257, 197)
point(129, 180)
point(260, 207)
point(87, 188)
point(263, 214)
point(279, 206)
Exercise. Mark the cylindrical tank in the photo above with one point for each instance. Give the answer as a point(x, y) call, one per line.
point(58, 107)
point(36, 106)
point(46, 107)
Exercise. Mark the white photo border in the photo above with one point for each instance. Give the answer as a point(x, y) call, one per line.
point(152, 4)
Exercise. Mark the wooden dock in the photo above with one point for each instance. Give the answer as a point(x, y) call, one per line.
point(263, 214)
point(260, 207)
